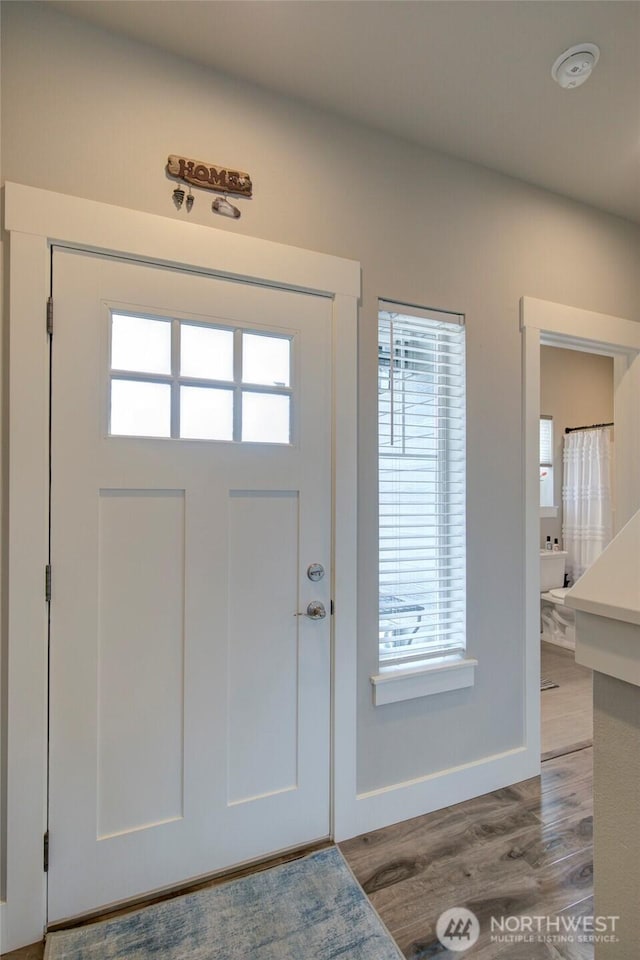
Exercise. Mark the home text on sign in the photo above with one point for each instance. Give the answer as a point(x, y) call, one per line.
point(211, 177)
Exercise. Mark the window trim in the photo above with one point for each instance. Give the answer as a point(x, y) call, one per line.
point(397, 682)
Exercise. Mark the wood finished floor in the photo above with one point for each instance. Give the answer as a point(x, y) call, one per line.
point(34, 952)
point(566, 712)
point(524, 850)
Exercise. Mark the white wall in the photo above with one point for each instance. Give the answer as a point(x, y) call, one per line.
point(576, 389)
point(87, 113)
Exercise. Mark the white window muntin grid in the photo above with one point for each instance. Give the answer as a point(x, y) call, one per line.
point(176, 380)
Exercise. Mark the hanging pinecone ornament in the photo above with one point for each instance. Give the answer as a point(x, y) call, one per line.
point(178, 197)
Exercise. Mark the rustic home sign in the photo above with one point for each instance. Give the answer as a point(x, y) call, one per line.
point(209, 176)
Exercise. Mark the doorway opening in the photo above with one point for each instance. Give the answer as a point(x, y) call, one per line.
point(576, 523)
point(615, 344)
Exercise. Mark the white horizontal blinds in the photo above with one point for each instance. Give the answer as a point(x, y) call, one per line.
point(421, 389)
point(546, 441)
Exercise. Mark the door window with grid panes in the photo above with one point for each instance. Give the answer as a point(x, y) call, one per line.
point(194, 381)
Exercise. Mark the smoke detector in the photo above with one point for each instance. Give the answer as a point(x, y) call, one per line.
point(575, 65)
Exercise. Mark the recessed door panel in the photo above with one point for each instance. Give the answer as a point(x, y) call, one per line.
point(263, 643)
point(140, 741)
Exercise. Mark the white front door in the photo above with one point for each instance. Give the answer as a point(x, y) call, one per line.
point(190, 493)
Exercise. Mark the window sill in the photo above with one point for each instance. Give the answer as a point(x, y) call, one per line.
point(402, 682)
point(548, 513)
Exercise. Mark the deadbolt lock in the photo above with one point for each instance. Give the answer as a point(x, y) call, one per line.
point(315, 571)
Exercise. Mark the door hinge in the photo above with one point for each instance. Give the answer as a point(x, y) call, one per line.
point(47, 583)
point(50, 316)
point(45, 852)
point(332, 608)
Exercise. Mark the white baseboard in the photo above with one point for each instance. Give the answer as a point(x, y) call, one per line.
point(3, 945)
point(413, 798)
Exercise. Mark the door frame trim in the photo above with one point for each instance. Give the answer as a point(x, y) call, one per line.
point(544, 322)
point(35, 219)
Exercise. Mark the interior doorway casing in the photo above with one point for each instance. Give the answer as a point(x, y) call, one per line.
point(35, 219)
point(554, 324)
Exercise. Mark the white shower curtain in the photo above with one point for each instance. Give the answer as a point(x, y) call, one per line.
point(586, 498)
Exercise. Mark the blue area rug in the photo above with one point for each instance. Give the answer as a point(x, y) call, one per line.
point(309, 909)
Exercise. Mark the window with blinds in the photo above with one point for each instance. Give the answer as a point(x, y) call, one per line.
point(546, 461)
point(421, 457)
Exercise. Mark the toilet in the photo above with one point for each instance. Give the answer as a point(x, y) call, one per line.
point(557, 620)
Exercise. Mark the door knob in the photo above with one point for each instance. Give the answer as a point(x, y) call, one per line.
point(315, 611)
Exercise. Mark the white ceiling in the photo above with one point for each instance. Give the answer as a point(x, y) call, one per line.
point(470, 78)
